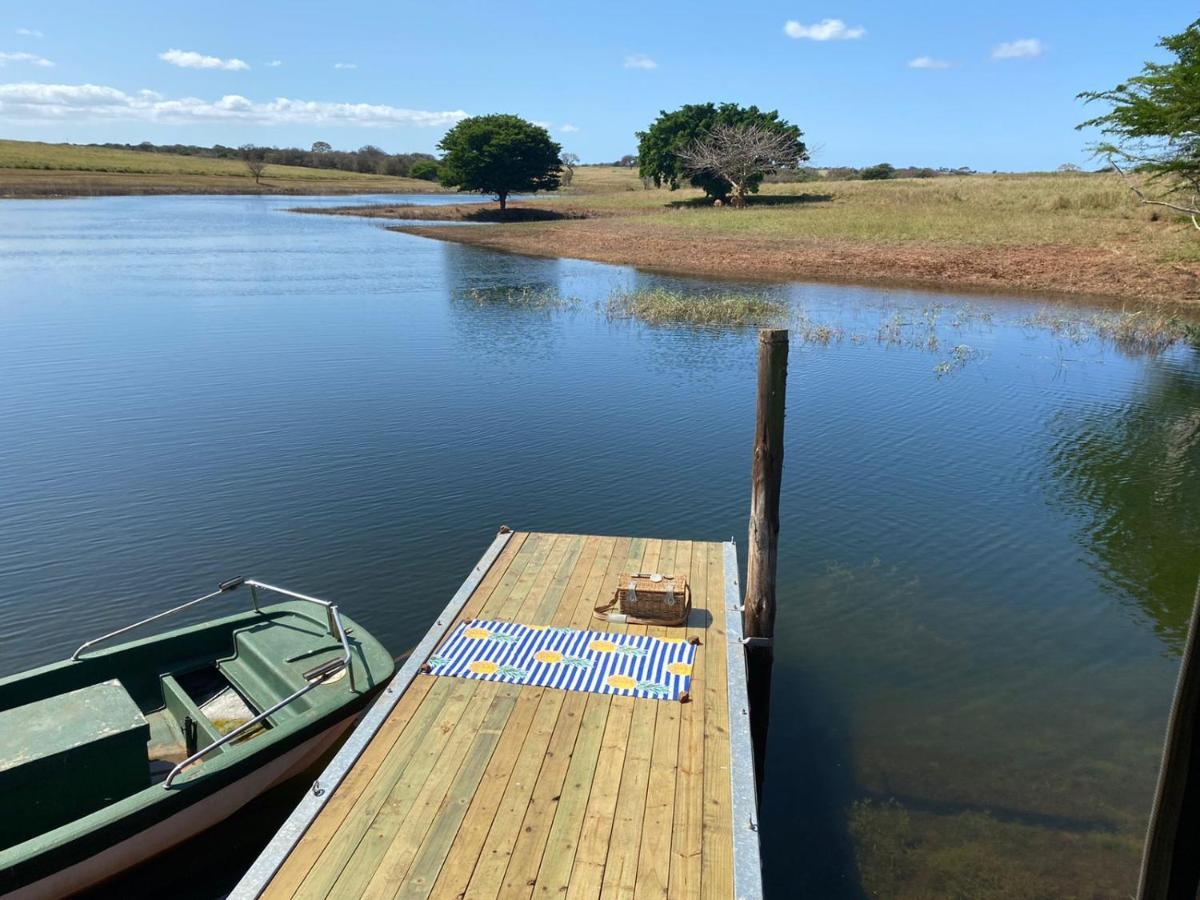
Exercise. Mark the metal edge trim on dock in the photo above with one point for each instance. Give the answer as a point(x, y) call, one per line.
point(747, 863)
point(259, 875)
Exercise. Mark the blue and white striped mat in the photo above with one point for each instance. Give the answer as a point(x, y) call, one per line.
point(625, 664)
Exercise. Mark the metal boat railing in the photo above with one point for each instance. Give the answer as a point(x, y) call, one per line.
point(312, 679)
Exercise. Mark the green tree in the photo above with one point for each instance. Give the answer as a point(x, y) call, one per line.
point(499, 155)
point(1154, 122)
point(880, 172)
point(424, 169)
point(673, 133)
point(321, 147)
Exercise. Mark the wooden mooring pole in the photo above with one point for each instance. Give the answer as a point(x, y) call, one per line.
point(1171, 858)
point(767, 475)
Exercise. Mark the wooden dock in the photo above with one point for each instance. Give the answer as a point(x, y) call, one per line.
point(458, 788)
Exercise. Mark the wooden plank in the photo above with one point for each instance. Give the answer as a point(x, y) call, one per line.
point(717, 854)
point(489, 875)
point(460, 862)
point(392, 869)
point(570, 738)
point(385, 814)
point(444, 796)
point(405, 760)
point(383, 760)
point(688, 826)
point(620, 867)
point(654, 857)
point(587, 871)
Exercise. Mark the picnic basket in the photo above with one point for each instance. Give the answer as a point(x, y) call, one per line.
point(649, 598)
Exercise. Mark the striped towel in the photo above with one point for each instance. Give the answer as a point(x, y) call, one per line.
point(629, 665)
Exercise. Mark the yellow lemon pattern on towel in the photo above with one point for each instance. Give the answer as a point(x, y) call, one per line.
point(567, 658)
point(621, 682)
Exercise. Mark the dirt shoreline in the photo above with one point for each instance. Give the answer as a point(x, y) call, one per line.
point(573, 230)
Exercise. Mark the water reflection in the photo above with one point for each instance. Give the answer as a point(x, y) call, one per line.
point(1129, 473)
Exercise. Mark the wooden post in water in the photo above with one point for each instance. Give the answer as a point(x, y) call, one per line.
point(1171, 858)
point(766, 478)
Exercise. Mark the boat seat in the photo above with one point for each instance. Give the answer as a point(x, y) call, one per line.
point(69, 755)
point(270, 659)
point(180, 705)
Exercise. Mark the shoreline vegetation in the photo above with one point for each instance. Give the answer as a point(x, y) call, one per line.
point(1064, 234)
point(31, 171)
point(934, 327)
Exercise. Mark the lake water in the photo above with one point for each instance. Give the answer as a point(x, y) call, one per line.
point(987, 554)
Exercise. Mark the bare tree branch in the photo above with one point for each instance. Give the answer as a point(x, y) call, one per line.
point(1191, 211)
point(739, 154)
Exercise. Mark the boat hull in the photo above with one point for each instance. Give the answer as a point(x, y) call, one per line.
point(186, 824)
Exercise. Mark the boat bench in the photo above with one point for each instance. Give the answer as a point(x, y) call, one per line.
point(264, 667)
point(69, 755)
point(181, 706)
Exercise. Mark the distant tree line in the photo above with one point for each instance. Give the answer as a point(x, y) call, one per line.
point(368, 160)
point(879, 172)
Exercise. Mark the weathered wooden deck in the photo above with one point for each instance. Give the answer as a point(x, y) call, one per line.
point(454, 788)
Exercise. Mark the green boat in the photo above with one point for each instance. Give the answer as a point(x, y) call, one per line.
point(117, 754)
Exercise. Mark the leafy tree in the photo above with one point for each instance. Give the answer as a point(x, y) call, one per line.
point(499, 155)
point(321, 147)
point(660, 146)
point(1154, 123)
point(424, 169)
point(881, 172)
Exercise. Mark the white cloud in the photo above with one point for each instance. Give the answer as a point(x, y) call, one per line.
point(32, 58)
point(568, 128)
point(29, 32)
point(341, 65)
point(640, 61)
point(540, 124)
point(825, 30)
point(275, 63)
point(29, 101)
point(928, 62)
point(190, 59)
point(1023, 48)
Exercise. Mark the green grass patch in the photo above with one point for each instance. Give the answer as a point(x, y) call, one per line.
point(42, 157)
point(660, 306)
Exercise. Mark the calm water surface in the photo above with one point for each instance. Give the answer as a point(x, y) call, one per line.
point(986, 557)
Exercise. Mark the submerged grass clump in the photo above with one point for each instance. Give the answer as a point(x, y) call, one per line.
point(1138, 332)
point(661, 306)
point(519, 298)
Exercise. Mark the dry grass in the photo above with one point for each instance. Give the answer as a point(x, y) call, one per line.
point(1068, 234)
point(31, 169)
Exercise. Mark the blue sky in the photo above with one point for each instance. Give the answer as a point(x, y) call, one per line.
point(990, 86)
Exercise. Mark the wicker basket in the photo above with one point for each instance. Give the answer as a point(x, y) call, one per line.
point(650, 599)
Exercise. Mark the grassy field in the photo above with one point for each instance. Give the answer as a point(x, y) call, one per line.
point(1065, 234)
point(29, 169)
